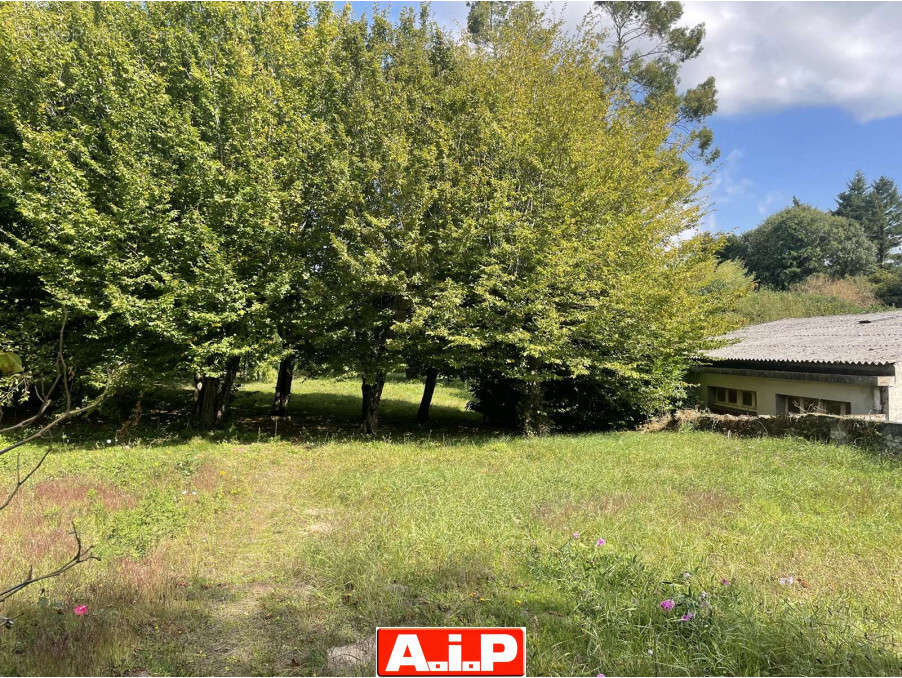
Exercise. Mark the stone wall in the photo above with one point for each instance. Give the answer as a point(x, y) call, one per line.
point(869, 433)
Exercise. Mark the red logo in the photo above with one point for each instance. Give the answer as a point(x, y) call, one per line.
point(436, 651)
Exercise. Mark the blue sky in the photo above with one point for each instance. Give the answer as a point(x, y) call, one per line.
point(808, 93)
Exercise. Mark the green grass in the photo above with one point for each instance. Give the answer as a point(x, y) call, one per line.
point(243, 553)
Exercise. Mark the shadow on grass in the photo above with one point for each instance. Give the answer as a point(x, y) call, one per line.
point(313, 418)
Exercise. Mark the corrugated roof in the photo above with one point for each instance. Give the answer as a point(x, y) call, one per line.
point(863, 338)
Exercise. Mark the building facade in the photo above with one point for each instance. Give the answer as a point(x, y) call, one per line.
point(844, 365)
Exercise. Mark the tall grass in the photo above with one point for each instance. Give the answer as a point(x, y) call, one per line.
point(818, 295)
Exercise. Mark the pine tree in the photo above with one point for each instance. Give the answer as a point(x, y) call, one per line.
point(886, 218)
point(853, 202)
point(878, 208)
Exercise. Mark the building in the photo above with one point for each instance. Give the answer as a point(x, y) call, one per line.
point(841, 364)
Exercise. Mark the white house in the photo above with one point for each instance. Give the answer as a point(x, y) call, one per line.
point(841, 364)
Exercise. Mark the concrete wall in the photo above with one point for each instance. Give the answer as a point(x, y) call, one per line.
point(861, 396)
point(894, 393)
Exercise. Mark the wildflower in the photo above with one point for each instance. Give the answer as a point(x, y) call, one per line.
point(667, 605)
point(600, 542)
point(687, 575)
point(600, 675)
point(689, 616)
point(109, 442)
point(651, 652)
point(80, 610)
point(576, 535)
point(724, 582)
point(703, 595)
point(786, 581)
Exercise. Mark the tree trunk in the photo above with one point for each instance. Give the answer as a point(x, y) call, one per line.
point(428, 391)
point(283, 386)
point(205, 405)
point(372, 394)
point(224, 397)
point(532, 419)
point(198, 399)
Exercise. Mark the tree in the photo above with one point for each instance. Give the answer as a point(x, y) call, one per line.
point(98, 193)
point(570, 271)
point(886, 224)
point(878, 208)
point(167, 208)
point(645, 49)
point(381, 225)
point(800, 241)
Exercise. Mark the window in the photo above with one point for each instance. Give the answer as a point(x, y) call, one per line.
point(732, 399)
point(803, 405)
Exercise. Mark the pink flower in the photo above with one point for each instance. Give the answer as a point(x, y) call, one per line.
point(600, 542)
point(600, 675)
point(576, 535)
point(724, 582)
point(80, 610)
point(667, 604)
point(689, 616)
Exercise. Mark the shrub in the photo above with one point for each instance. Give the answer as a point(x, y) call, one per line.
point(888, 286)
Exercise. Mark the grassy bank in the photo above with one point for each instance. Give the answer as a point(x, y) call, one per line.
point(248, 554)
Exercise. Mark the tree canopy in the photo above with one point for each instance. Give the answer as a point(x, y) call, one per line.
point(800, 241)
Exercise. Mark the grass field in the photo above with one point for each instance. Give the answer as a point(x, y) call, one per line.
point(244, 553)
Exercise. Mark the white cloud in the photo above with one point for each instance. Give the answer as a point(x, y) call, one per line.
point(775, 55)
point(778, 55)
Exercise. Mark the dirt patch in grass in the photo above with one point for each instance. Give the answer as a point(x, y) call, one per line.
point(559, 515)
point(39, 519)
point(65, 492)
point(702, 504)
point(208, 477)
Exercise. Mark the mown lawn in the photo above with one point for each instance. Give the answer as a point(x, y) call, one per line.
point(248, 554)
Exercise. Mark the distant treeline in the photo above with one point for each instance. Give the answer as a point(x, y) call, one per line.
point(799, 249)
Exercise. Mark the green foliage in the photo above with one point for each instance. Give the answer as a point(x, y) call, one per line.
point(571, 269)
point(203, 187)
point(878, 208)
point(645, 51)
point(766, 304)
point(800, 241)
point(888, 285)
point(10, 364)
